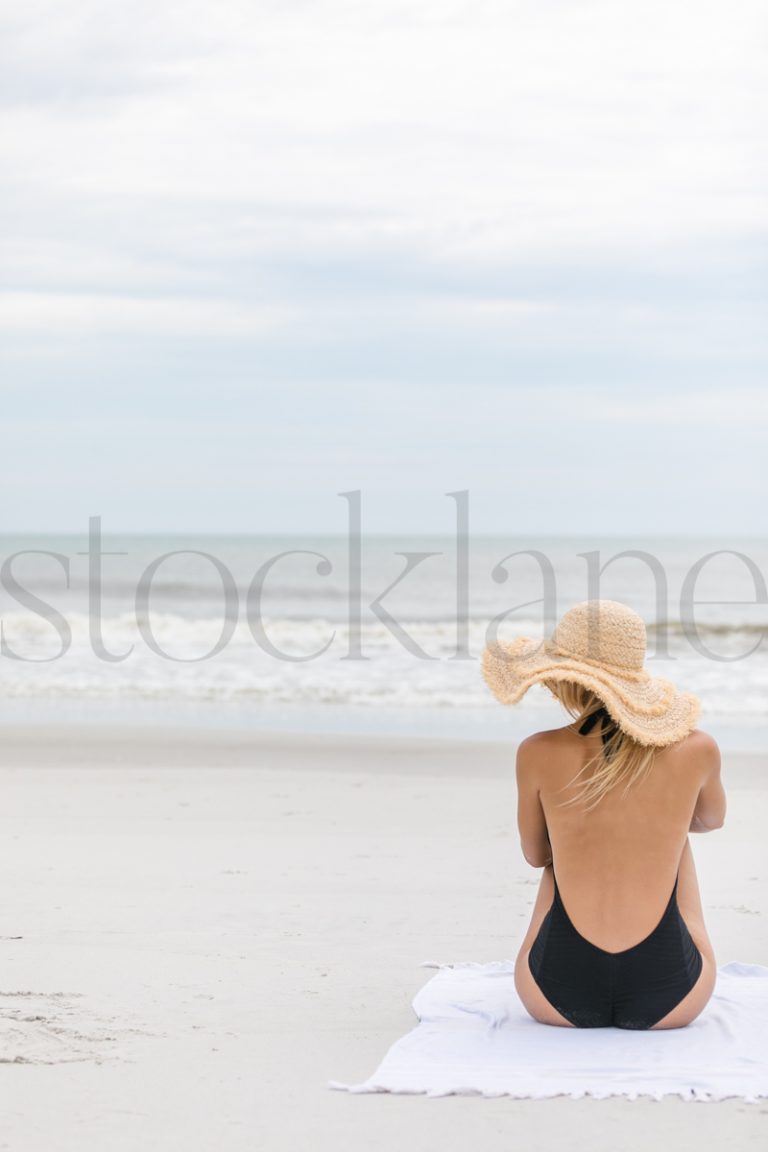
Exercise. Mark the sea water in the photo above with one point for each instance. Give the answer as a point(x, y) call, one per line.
point(292, 633)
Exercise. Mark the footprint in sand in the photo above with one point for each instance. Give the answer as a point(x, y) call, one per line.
point(55, 1028)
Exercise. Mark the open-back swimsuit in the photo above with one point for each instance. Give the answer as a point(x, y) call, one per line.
point(593, 988)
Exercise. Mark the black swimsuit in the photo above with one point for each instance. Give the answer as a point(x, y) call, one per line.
point(634, 988)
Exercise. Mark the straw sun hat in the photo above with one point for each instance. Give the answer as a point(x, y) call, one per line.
point(600, 644)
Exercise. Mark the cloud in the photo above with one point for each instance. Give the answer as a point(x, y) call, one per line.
point(411, 230)
point(76, 313)
point(496, 128)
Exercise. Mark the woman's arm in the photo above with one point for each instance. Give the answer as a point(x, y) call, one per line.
point(709, 812)
point(531, 823)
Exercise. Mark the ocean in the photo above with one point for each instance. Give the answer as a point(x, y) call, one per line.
point(384, 633)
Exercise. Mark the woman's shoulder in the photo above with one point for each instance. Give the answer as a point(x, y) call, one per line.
point(699, 744)
point(698, 754)
point(531, 752)
point(698, 747)
point(547, 736)
point(535, 741)
point(538, 748)
point(697, 738)
point(548, 733)
point(700, 739)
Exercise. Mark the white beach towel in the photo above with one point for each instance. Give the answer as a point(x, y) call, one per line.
point(475, 1037)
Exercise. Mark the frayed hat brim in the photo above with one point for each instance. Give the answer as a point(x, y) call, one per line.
point(648, 708)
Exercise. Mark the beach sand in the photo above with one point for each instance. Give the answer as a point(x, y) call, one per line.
point(200, 929)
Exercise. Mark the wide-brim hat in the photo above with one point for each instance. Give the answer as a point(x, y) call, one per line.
point(600, 644)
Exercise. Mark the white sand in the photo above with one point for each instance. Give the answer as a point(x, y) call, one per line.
point(214, 925)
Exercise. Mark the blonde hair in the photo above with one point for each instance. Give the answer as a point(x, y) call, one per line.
point(619, 759)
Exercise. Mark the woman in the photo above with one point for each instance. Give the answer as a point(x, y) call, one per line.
point(605, 804)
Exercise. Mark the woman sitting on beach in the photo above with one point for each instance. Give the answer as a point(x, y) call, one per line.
point(605, 806)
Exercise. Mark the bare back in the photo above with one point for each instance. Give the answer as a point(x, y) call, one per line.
point(616, 864)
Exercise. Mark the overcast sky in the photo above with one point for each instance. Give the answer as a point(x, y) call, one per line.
point(257, 254)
